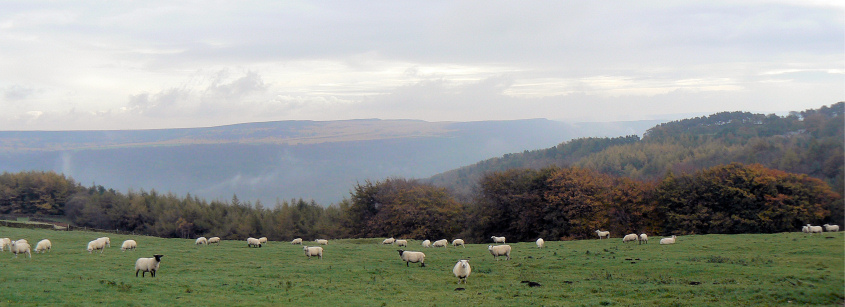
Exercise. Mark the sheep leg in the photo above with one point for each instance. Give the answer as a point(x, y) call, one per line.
point(136, 272)
point(153, 273)
point(407, 264)
point(422, 265)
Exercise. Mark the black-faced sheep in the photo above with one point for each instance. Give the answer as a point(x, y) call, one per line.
point(409, 256)
point(145, 265)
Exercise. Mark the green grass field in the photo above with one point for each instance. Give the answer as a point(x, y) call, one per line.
point(711, 270)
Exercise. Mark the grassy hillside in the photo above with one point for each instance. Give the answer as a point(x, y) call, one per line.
point(760, 269)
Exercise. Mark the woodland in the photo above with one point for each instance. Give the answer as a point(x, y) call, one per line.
point(727, 173)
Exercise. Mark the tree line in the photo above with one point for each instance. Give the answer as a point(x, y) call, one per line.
point(523, 204)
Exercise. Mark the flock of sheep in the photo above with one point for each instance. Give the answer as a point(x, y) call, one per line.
point(461, 270)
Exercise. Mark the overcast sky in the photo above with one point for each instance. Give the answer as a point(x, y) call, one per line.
point(164, 64)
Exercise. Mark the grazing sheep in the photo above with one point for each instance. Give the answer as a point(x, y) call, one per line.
point(201, 241)
point(128, 244)
point(805, 229)
point(252, 242)
point(500, 250)
point(296, 241)
point(262, 240)
point(106, 240)
point(831, 228)
point(390, 240)
point(97, 244)
point(5, 242)
point(43, 246)
point(402, 243)
point(440, 243)
point(457, 242)
point(814, 229)
point(498, 239)
point(462, 270)
point(214, 240)
point(603, 234)
point(18, 247)
point(145, 265)
point(426, 243)
point(541, 243)
point(322, 241)
point(409, 256)
point(630, 237)
point(668, 240)
point(643, 238)
point(313, 251)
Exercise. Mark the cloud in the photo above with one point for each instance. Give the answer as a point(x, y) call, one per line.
point(17, 93)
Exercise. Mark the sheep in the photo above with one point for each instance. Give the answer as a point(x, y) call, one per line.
point(107, 240)
point(426, 243)
point(296, 241)
point(145, 265)
point(498, 239)
point(262, 240)
point(831, 228)
point(805, 229)
point(322, 241)
point(643, 238)
point(462, 270)
point(201, 241)
point(43, 246)
point(214, 240)
point(440, 243)
point(18, 247)
point(313, 251)
point(603, 234)
point(630, 237)
point(457, 242)
point(814, 229)
point(97, 244)
point(409, 256)
point(390, 240)
point(402, 243)
point(128, 244)
point(5, 242)
point(541, 243)
point(252, 242)
point(500, 250)
point(668, 240)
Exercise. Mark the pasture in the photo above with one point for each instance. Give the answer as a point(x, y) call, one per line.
point(751, 269)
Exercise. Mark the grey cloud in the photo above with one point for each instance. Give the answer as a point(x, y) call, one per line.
point(17, 92)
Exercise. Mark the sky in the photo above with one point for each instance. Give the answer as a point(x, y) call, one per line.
point(103, 65)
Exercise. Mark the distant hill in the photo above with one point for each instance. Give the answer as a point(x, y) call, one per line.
point(282, 160)
point(806, 142)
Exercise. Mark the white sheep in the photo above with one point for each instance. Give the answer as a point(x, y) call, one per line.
point(201, 241)
point(262, 240)
point(18, 247)
point(805, 229)
point(43, 246)
point(145, 265)
point(500, 250)
point(252, 242)
point(668, 240)
point(630, 237)
point(106, 240)
point(457, 242)
point(409, 256)
point(814, 229)
point(214, 240)
point(97, 244)
point(128, 244)
point(541, 243)
point(440, 243)
point(462, 270)
point(322, 241)
point(313, 251)
point(390, 240)
point(643, 238)
point(402, 243)
point(498, 239)
point(296, 241)
point(4, 242)
point(603, 234)
point(426, 243)
point(831, 228)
